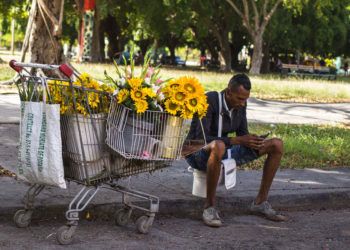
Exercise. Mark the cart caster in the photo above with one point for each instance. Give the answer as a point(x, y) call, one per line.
point(144, 224)
point(22, 218)
point(65, 234)
point(122, 216)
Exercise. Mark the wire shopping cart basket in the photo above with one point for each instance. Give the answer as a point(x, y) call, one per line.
point(143, 142)
point(139, 144)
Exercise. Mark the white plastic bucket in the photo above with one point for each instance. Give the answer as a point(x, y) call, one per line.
point(92, 132)
point(199, 187)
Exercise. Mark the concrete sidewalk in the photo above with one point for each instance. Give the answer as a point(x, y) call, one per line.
point(292, 189)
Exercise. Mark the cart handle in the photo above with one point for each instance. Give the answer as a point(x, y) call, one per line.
point(64, 68)
point(13, 64)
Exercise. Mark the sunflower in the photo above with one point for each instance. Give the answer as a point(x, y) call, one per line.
point(122, 95)
point(135, 82)
point(192, 104)
point(137, 94)
point(141, 106)
point(92, 84)
point(202, 109)
point(191, 85)
point(171, 107)
point(179, 97)
point(173, 84)
point(186, 113)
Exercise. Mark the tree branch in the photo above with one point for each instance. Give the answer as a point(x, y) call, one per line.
point(245, 16)
point(234, 6)
point(49, 14)
point(268, 16)
point(264, 8)
point(256, 15)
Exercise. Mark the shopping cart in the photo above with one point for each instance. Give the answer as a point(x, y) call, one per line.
point(136, 144)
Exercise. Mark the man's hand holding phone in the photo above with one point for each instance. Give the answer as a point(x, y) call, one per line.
point(264, 136)
point(250, 141)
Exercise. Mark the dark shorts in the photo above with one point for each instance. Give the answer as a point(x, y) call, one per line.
point(241, 154)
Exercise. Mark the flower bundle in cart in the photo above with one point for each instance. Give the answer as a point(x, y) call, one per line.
point(147, 115)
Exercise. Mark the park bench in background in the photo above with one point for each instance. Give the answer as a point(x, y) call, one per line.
point(307, 71)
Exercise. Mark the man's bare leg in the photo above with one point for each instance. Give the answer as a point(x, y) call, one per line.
point(274, 150)
point(216, 151)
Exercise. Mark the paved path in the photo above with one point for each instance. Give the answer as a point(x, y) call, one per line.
point(258, 111)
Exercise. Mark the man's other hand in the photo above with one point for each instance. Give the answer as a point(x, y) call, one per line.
point(250, 141)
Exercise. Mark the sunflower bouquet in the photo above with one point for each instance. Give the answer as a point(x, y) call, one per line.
point(185, 97)
point(138, 92)
point(87, 95)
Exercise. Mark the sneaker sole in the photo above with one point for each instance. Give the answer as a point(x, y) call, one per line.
point(276, 218)
point(213, 224)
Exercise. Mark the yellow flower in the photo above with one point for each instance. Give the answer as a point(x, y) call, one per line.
point(81, 109)
point(141, 106)
point(63, 109)
point(122, 95)
point(191, 85)
point(137, 94)
point(173, 84)
point(202, 109)
point(135, 82)
point(192, 104)
point(149, 92)
point(92, 84)
point(179, 97)
point(171, 107)
point(186, 113)
point(107, 88)
point(93, 99)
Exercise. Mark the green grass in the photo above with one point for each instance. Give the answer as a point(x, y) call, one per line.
point(265, 87)
point(6, 72)
point(309, 146)
point(270, 87)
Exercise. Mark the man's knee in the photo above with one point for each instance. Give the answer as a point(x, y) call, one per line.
point(277, 146)
point(217, 147)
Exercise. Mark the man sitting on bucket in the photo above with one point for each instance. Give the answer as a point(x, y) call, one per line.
point(244, 147)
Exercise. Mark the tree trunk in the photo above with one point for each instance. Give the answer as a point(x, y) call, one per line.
point(265, 65)
point(112, 36)
point(226, 54)
point(96, 55)
point(172, 53)
point(257, 54)
point(225, 49)
point(44, 46)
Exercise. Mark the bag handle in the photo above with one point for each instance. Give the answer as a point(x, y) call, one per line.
point(220, 124)
point(220, 116)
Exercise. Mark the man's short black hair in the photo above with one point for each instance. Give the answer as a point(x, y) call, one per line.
point(238, 80)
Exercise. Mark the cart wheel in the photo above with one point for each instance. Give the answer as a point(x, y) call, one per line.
point(64, 235)
point(122, 216)
point(143, 224)
point(22, 218)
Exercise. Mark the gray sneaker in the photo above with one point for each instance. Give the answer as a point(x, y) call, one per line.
point(211, 217)
point(267, 211)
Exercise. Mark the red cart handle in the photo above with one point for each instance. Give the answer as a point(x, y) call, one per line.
point(16, 68)
point(66, 70)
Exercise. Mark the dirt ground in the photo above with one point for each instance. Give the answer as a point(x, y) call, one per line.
point(325, 229)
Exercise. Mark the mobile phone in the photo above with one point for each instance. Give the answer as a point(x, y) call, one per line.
point(265, 135)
